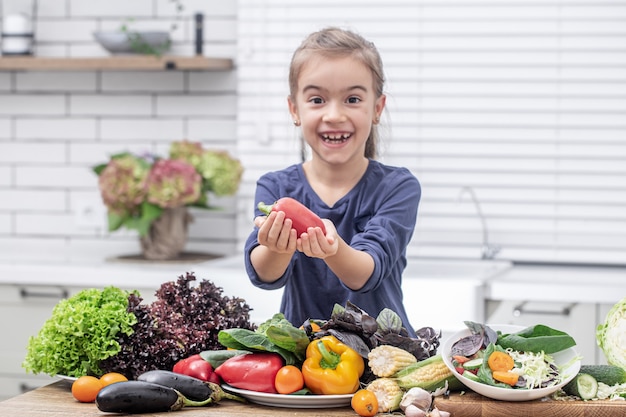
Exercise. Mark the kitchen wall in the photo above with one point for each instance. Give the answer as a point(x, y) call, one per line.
point(521, 101)
point(54, 126)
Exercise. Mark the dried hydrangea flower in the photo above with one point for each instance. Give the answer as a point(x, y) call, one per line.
point(190, 152)
point(173, 183)
point(221, 172)
point(123, 184)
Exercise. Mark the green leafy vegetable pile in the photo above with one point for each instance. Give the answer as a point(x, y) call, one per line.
point(82, 331)
point(110, 330)
point(276, 335)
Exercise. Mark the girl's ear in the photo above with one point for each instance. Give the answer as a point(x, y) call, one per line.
point(380, 106)
point(293, 110)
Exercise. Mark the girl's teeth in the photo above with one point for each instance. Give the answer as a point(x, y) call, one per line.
point(336, 137)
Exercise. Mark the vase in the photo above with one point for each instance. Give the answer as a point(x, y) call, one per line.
point(167, 236)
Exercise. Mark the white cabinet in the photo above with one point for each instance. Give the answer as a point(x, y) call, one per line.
point(579, 320)
point(572, 298)
point(23, 311)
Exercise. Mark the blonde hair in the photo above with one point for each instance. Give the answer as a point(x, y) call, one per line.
point(336, 42)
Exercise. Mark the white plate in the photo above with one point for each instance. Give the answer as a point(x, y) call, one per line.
point(292, 401)
point(67, 378)
point(507, 394)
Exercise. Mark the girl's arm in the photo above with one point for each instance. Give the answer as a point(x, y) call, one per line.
point(352, 266)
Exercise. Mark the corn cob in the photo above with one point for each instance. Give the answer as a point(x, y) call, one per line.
point(387, 392)
point(386, 360)
point(429, 374)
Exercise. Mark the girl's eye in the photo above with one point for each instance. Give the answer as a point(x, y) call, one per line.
point(354, 100)
point(316, 100)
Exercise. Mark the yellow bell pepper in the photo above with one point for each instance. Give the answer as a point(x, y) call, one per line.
point(332, 367)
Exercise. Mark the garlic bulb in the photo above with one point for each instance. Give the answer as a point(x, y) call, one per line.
point(435, 412)
point(418, 397)
point(413, 411)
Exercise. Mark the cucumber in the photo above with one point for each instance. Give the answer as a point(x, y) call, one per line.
point(471, 376)
point(583, 386)
point(473, 364)
point(607, 374)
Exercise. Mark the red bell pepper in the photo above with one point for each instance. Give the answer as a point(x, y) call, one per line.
point(300, 215)
point(196, 367)
point(254, 372)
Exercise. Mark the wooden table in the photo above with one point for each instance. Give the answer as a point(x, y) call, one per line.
point(55, 400)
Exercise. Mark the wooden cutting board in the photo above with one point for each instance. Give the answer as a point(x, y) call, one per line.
point(470, 404)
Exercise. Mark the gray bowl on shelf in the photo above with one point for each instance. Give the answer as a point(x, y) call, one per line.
point(134, 42)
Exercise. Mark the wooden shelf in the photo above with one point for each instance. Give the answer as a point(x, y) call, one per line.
point(115, 63)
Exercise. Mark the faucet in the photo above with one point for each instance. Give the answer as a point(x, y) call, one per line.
point(488, 250)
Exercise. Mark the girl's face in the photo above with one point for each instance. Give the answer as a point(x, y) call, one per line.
point(336, 105)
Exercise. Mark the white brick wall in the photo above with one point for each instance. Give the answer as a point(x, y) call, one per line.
point(521, 100)
point(54, 126)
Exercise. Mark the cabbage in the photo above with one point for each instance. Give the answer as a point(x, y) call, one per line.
point(611, 335)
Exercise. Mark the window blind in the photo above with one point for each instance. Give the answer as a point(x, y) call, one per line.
point(522, 102)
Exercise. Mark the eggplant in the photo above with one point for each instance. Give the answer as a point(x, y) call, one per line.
point(192, 388)
point(142, 397)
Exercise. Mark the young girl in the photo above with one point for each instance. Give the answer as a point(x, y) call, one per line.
point(369, 209)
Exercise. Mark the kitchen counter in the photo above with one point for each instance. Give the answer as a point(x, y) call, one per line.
point(561, 283)
point(55, 400)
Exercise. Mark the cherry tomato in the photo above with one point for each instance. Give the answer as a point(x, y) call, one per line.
point(288, 380)
point(85, 388)
point(111, 378)
point(364, 403)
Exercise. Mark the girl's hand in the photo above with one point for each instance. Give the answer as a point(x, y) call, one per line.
point(314, 244)
point(276, 233)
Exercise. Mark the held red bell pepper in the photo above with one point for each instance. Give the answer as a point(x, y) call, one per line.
point(300, 215)
point(196, 367)
point(253, 372)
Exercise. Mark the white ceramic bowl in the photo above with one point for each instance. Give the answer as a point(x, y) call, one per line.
point(119, 42)
point(507, 394)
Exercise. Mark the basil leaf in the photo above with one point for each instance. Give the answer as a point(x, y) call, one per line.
point(388, 321)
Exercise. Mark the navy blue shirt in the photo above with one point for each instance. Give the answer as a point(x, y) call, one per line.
point(377, 216)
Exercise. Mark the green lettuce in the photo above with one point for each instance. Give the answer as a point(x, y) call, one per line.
point(82, 331)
